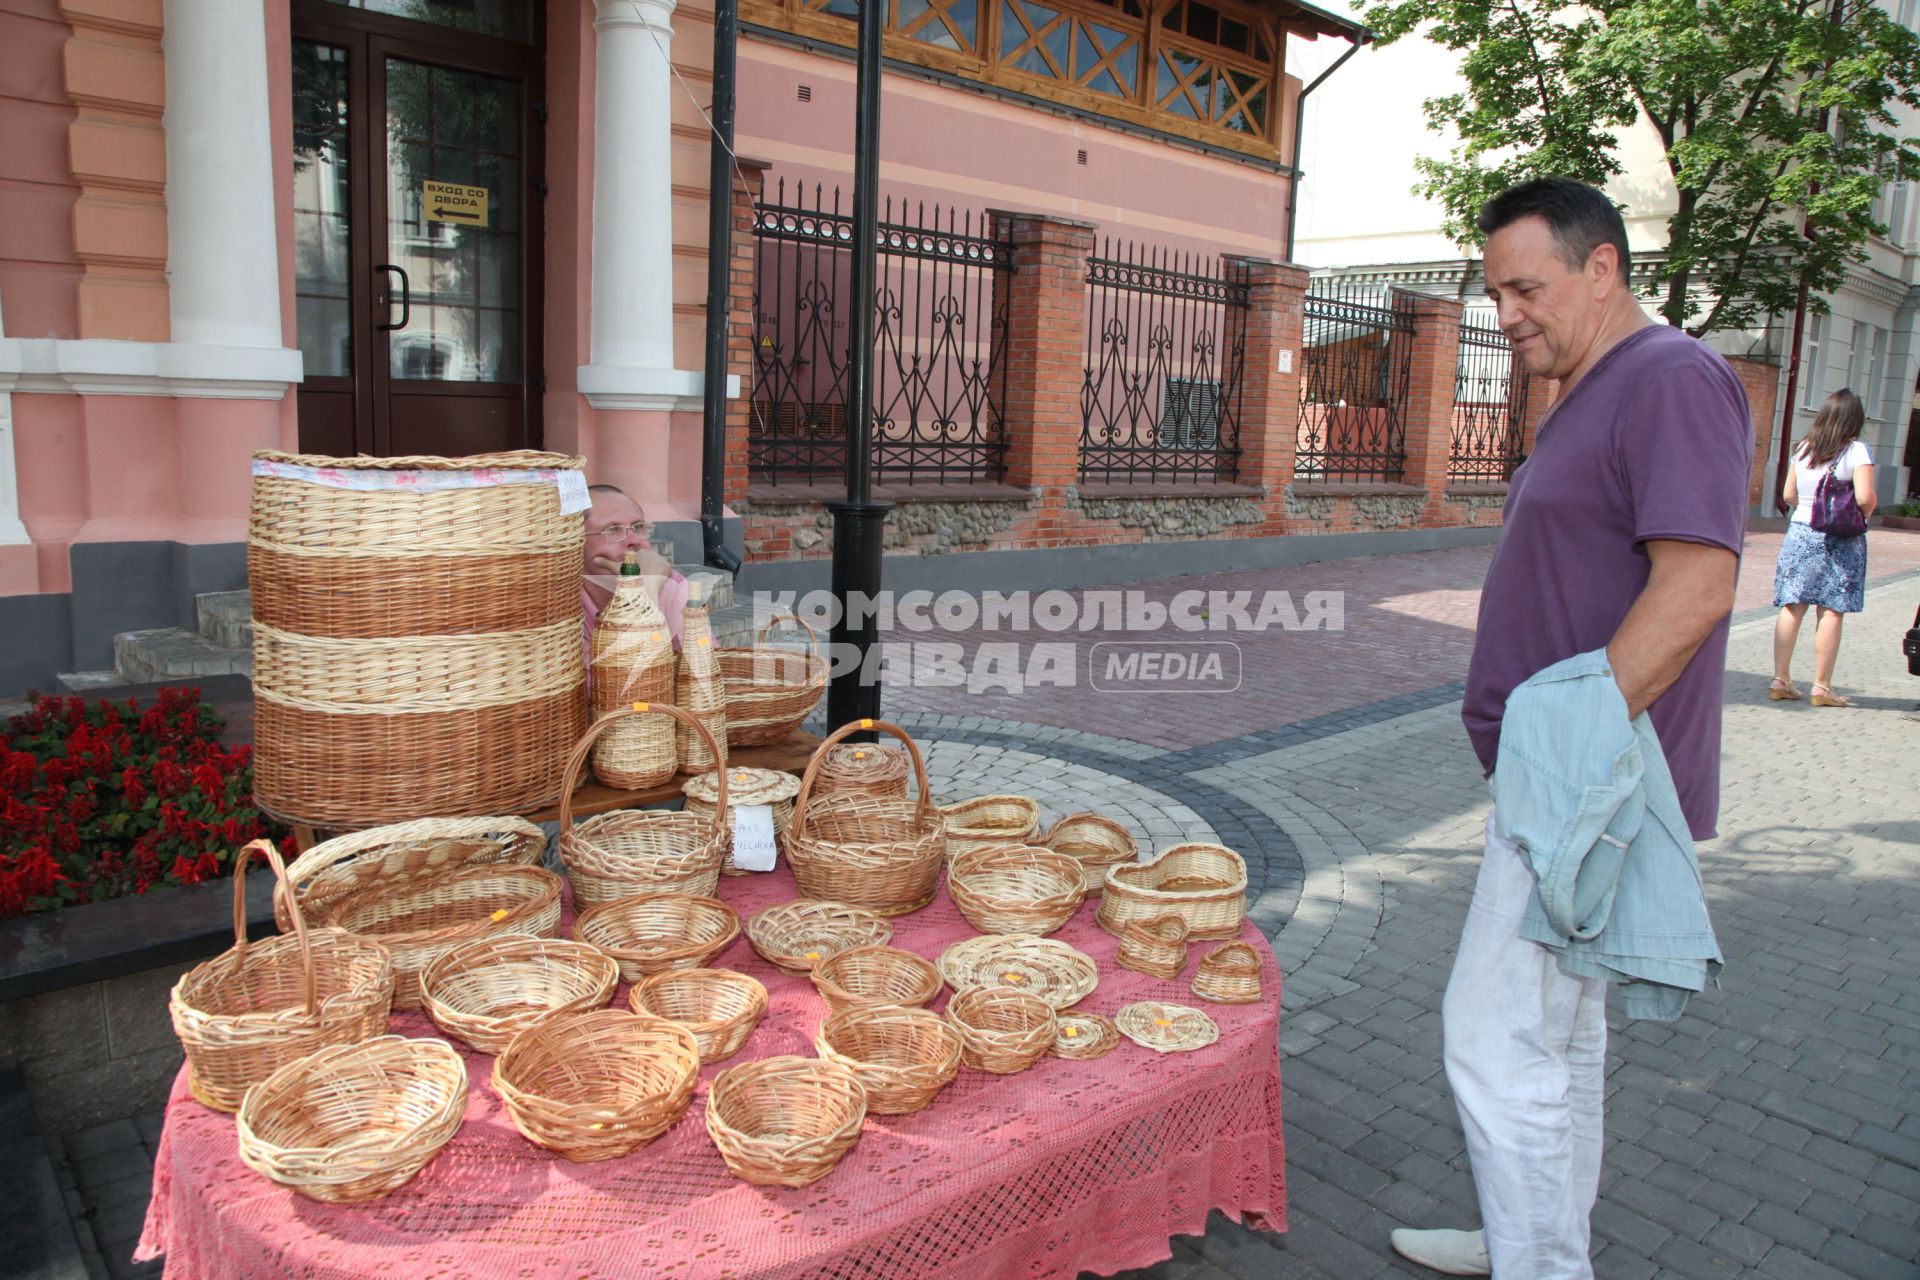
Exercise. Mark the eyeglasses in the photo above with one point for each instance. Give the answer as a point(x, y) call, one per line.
point(643, 529)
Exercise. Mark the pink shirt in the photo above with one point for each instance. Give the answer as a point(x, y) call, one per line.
point(673, 603)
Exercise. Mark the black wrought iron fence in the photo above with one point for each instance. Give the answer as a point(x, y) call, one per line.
point(1356, 363)
point(1489, 404)
point(1160, 397)
point(940, 334)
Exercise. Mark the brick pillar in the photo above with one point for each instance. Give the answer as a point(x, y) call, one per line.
point(1428, 414)
point(1046, 347)
point(742, 283)
point(1270, 399)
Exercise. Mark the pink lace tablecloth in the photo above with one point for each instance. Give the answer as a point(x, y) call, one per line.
point(1066, 1167)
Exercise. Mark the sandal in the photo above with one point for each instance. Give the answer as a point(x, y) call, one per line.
point(1828, 698)
point(1783, 691)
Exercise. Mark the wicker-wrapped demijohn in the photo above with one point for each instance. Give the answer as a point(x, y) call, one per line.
point(633, 661)
point(699, 688)
point(416, 634)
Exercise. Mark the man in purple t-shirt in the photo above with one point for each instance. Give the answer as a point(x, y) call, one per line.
point(1623, 530)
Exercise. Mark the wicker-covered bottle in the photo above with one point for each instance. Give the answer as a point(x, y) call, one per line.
point(633, 661)
point(699, 688)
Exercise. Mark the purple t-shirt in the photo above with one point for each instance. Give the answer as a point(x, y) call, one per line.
point(1654, 443)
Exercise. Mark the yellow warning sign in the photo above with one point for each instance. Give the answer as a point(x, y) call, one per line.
point(451, 202)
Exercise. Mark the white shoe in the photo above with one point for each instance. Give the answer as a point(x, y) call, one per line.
point(1452, 1253)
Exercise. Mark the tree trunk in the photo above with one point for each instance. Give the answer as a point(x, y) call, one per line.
point(1679, 245)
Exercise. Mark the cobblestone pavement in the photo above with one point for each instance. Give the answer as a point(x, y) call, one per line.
point(1773, 1131)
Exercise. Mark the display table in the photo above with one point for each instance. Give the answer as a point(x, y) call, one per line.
point(1070, 1166)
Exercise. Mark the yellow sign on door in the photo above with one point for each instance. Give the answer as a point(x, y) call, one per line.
point(451, 202)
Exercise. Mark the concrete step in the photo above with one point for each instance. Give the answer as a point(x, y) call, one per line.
point(226, 618)
point(168, 653)
point(88, 681)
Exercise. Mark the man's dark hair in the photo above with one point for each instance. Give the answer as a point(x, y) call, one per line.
point(1580, 217)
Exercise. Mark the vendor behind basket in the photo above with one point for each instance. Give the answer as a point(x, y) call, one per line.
point(615, 526)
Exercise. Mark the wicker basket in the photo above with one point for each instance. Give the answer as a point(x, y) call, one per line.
point(633, 661)
point(719, 1006)
point(1045, 968)
point(795, 936)
point(418, 918)
point(1002, 1030)
point(785, 1122)
point(1096, 843)
point(1156, 946)
point(698, 688)
point(417, 648)
point(1085, 1036)
point(1166, 1028)
point(987, 821)
point(348, 863)
point(875, 975)
point(1205, 884)
point(1230, 975)
point(487, 992)
point(770, 787)
point(646, 936)
point(1016, 888)
point(244, 1014)
point(884, 855)
point(354, 1121)
point(593, 1086)
point(771, 691)
point(903, 1056)
point(862, 769)
point(634, 851)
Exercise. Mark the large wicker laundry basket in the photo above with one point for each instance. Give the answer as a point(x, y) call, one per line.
point(416, 634)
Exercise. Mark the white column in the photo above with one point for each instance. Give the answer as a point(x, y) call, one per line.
point(631, 343)
point(223, 262)
point(12, 532)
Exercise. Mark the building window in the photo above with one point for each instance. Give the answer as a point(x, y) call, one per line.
point(1811, 374)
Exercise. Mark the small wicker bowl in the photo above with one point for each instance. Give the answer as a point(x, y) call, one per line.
point(1096, 843)
point(1016, 888)
point(875, 975)
point(989, 820)
point(1229, 975)
point(593, 1086)
point(1085, 1036)
point(487, 992)
point(354, 1121)
point(785, 1122)
point(719, 1006)
point(1002, 1030)
point(646, 936)
point(795, 936)
point(1156, 947)
point(903, 1056)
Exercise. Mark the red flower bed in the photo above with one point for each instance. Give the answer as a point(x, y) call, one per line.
point(102, 801)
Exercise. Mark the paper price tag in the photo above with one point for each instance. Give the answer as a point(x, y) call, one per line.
point(753, 848)
point(573, 493)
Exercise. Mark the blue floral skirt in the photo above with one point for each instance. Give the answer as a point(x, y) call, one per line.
point(1818, 569)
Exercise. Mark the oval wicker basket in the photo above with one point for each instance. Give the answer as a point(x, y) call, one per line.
point(249, 1011)
point(795, 936)
point(1045, 968)
point(1085, 1036)
point(635, 851)
point(354, 1121)
point(417, 648)
point(875, 975)
point(1205, 884)
point(903, 1056)
point(786, 1121)
point(986, 821)
point(487, 992)
point(770, 691)
point(1156, 946)
point(593, 1086)
point(770, 787)
point(348, 863)
point(633, 661)
point(1016, 888)
point(884, 855)
point(719, 1006)
point(1229, 975)
point(1096, 843)
point(1002, 1030)
point(418, 918)
point(862, 769)
point(646, 936)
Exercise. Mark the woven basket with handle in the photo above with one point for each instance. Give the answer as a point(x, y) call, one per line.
point(348, 863)
point(770, 691)
point(884, 855)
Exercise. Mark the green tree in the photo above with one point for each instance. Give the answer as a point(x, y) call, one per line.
point(1778, 118)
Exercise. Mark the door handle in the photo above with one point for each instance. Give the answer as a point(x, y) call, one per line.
point(406, 295)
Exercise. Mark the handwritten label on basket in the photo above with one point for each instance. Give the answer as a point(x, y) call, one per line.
point(753, 848)
point(573, 492)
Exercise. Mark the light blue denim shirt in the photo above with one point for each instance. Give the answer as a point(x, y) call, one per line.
point(1587, 797)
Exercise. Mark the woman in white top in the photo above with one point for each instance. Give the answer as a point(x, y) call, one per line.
point(1827, 571)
